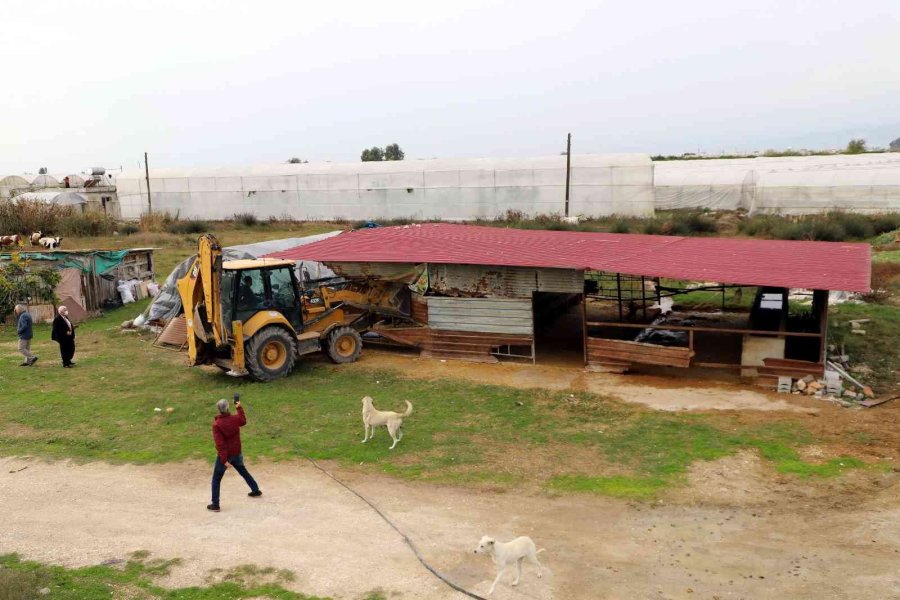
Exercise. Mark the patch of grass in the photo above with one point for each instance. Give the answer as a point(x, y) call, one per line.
point(618, 486)
point(878, 348)
point(22, 580)
point(464, 432)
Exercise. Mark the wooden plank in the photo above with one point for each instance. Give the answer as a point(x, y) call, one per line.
point(706, 329)
point(501, 303)
point(463, 312)
point(622, 345)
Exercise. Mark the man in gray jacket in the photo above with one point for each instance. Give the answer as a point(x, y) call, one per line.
point(25, 334)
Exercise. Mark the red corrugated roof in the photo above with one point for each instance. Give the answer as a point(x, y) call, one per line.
point(810, 265)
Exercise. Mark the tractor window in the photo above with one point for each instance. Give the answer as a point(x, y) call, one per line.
point(228, 298)
point(251, 294)
point(284, 295)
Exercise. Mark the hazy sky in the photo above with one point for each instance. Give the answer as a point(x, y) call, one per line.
point(226, 83)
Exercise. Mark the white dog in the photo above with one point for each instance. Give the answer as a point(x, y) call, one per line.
point(505, 554)
point(373, 418)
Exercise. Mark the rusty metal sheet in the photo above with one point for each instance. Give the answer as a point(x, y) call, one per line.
point(486, 315)
point(509, 282)
point(406, 272)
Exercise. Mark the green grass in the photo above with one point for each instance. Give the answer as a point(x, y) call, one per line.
point(886, 256)
point(135, 578)
point(461, 432)
point(878, 348)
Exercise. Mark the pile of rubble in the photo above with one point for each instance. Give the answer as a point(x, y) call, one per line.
point(830, 389)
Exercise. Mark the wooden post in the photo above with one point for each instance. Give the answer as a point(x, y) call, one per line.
point(644, 296)
point(147, 176)
point(619, 293)
point(568, 169)
point(584, 330)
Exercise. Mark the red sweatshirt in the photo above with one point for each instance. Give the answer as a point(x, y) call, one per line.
point(227, 434)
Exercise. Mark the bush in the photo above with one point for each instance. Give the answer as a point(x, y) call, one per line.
point(855, 226)
point(188, 226)
point(156, 222)
point(884, 223)
point(652, 227)
point(620, 226)
point(28, 216)
point(245, 219)
point(885, 281)
point(128, 228)
point(85, 225)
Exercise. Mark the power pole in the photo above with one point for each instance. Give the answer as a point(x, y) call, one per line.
point(568, 169)
point(150, 202)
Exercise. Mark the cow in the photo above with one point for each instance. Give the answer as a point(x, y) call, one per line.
point(10, 240)
point(36, 238)
point(50, 242)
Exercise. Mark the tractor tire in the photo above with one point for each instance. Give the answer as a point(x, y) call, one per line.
point(344, 345)
point(270, 354)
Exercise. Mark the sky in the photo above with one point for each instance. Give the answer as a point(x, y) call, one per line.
point(202, 83)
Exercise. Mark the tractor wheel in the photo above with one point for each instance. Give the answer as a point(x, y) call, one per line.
point(344, 345)
point(270, 354)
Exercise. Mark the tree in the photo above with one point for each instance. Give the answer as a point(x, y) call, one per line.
point(373, 154)
point(21, 283)
point(856, 146)
point(393, 152)
point(42, 171)
point(294, 161)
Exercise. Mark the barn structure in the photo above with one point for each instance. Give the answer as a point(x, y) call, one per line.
point(604, 300)
point(88, 278)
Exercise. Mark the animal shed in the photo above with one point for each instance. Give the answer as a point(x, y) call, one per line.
point(602, 299)
point(89, 278)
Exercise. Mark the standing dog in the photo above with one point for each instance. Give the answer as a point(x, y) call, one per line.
point(373, 418)
point(506, 553)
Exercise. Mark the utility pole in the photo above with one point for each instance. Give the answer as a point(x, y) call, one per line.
point(568, 169)
point(150, 202)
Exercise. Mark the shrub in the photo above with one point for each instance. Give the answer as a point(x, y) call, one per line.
point(885, 281)
point(884, 223)
point(245, 219)
point(85, 225)
point(28, 216)
point(620, 226)
point(855, 226)
point(187, 226)
point(129, 228)
point(156, 222)
point(652, 227)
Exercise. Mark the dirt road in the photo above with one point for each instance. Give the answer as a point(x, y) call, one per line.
point(736, 532)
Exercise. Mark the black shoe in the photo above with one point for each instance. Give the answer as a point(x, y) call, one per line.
point(67, 366)
point(33, 360)
point(255, 494)
point(213, 507)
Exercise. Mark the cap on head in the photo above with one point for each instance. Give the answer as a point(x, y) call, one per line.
point(222, 406)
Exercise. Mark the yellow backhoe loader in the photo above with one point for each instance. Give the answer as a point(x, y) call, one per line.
point(251, 317)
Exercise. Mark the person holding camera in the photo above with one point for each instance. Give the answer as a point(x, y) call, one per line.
point(226, 431)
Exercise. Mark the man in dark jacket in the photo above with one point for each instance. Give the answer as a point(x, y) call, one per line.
point(26, 333)
point(63, 333)
point(226, 430)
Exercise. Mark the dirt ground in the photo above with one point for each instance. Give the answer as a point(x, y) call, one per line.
point(737, 531)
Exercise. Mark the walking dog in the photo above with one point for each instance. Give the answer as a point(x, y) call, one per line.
point(504, 554)
point(373, 418)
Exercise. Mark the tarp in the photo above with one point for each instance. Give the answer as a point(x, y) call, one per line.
point(167, 305)
point(97, 261)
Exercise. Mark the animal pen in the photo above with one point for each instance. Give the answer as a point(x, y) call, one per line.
point(89, 278)
point(612, 302)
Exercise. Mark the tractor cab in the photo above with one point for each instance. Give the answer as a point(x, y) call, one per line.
point(251, 286)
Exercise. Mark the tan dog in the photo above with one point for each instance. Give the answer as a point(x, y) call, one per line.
point(505, 554)
point(373, 418)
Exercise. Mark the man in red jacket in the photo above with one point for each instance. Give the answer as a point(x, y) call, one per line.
point(226, 431)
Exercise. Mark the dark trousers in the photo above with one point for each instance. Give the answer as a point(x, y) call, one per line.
point(219, 471)
point(67, 351)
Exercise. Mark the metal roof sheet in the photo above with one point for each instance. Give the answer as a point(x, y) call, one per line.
point(808, 265)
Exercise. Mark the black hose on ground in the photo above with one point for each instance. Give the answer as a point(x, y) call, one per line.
point(405, 537)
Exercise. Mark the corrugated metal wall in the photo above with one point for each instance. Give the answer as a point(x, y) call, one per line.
point(510, 282)
point(487, 315)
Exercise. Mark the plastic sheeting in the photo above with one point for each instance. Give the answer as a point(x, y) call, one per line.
point(167, 304)
point(868, 183)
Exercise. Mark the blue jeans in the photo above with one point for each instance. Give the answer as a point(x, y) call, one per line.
point(219, 471)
